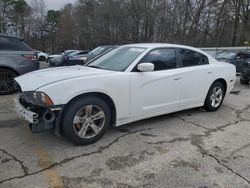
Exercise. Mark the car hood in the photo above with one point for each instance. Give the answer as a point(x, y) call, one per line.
point(35, 80)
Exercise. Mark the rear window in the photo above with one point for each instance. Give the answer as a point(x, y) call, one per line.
point(9, 44)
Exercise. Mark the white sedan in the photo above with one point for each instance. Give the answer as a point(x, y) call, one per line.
point(131, 83)
point(42, 56)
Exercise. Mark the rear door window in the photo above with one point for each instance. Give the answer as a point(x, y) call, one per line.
point(192, 58)
point(9, 44)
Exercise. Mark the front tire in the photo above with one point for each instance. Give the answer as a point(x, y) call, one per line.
point(7, 82)
point(85, 120)
point(215, 97)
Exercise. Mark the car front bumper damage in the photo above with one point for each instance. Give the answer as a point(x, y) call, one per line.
point(40, 119)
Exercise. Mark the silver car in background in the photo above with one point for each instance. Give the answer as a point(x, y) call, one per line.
point(16, 58)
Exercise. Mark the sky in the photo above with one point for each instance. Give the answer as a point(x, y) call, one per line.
point(55, 4)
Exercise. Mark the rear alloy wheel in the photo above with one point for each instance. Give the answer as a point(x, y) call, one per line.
point(7, 82)
point(215, 97)
point(85, 120)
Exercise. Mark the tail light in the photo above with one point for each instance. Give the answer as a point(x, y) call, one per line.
point(31, 57)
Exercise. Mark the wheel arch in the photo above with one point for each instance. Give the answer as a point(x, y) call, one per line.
point(41, 57)
point(103, 96)
point(11, 69)
point(223, 82)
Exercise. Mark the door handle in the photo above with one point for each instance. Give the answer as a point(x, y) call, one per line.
point(210, 72)
point(176, 79)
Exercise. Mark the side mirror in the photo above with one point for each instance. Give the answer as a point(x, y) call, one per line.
point(146, 67)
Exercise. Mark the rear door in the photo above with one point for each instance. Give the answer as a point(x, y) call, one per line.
point(196, 74)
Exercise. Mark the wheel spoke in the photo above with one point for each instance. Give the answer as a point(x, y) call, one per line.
point(97, 116)
point(95, 128)
point(89, 110)
point(219, 92)
point(214, 91)
point(82, 132)
point(213, 102)
point(218, 100)
point(78, 119)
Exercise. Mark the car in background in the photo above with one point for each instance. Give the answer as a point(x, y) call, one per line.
point(245, 73)
point(72, 59)
point(60, 61)
point(130, 83)
point(68, 52)
point(235, 58)
point(16, 58)
point(78, 53)
point(42, 56)
point(96, 52)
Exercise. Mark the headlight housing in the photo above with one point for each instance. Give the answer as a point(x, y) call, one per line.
point(37, 98)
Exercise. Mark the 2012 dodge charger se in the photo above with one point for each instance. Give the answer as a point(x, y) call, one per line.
point(131, 83)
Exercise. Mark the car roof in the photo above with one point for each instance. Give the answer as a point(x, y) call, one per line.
point(235, 51)
point(157, 45)
point(108, 46)
point(164, 45)
point(11, 37)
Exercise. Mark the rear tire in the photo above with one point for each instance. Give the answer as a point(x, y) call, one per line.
point(85, 120)
point(215, 97)
point(7, 82)
point(42, 58)
point(244, 81)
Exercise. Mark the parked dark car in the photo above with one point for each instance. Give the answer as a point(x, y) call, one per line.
point(77, 53)
point(235, 58)
point(68, 60)
point(16, 58)
point(245, 74)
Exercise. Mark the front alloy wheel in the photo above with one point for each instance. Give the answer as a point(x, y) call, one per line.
point(89, 121)
point(85, 120)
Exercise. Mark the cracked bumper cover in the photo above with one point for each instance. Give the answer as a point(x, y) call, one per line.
point(24, 113)
point(36, 120)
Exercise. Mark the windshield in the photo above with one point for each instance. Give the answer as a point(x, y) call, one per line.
point(226, 55)
point(97, 51)
point(118, 59)
point(74, 54)
point(70, 52)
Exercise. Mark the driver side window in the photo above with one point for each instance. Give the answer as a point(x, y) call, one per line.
point(163, 59)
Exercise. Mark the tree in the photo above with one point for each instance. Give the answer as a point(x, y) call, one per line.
point(5, 6)
point(20, 13)
point(52, 20)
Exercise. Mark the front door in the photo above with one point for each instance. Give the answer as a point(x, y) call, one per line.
point(157, 92)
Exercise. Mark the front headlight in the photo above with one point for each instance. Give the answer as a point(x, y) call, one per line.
point(37, 98)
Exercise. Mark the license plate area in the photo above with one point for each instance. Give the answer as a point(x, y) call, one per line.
point(24, 113)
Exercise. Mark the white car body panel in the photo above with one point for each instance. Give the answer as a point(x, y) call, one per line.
point(136, 95)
